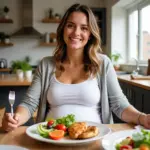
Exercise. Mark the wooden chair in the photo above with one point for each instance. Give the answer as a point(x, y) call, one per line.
point(2, 111)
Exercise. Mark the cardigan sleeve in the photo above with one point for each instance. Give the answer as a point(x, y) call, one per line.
point(31, 98)
point(117, 100)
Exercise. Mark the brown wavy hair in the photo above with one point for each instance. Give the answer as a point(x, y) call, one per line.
point(91, 49)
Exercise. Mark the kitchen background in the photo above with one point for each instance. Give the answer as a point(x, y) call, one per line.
point(30, 46)
point(116, 38)
point(115, 28)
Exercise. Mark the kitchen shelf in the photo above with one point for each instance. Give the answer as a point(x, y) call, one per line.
point(4, 44)
point(5, 70)
point(48, 20)
point(48, 44)
point(3, 20)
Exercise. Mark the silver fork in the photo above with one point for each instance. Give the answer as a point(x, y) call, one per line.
point(11, 100)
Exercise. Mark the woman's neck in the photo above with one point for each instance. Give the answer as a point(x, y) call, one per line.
point(74, 59)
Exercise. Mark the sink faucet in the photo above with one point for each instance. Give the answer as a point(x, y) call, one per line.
point(136, 71)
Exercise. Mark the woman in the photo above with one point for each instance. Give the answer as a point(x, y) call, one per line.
point(78, 79)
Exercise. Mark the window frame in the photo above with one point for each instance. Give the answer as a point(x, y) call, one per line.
point(136, 6)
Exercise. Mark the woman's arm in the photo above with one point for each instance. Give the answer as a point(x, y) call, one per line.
point(132, 115)
point(20, 116)
point(23, 115)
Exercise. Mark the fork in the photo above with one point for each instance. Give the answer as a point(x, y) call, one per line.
point(12, 100)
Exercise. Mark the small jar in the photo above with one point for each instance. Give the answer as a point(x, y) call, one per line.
point(7, 40)
point(47, 38)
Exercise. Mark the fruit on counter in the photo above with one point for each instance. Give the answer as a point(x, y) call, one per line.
point(56, 134)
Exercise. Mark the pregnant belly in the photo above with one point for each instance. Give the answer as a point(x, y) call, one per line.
point(81, 113)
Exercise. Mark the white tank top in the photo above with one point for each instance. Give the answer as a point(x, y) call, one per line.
point(80, 99)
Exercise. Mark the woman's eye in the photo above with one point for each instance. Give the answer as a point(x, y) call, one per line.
point(69, 25)
point(84, 28)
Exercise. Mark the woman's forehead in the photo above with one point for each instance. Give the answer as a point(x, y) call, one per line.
point(78, 17)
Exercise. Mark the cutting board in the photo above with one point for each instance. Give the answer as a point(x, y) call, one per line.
point(140, 77)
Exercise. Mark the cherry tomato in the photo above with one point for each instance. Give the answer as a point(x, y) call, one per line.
point(51, 122)
point(61, 127)
point(126, 147)
point(144, 147)
point(56, 134)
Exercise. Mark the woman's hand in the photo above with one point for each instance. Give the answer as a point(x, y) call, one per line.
point(10, 122)
point(145, 120)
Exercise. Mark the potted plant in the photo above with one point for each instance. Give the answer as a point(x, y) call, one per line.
point(22, 67)
point(115, 58)
point(17, 68)
point(16, 65)
point(27, 69)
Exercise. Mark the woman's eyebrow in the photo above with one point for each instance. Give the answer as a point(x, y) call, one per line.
point(74, 23)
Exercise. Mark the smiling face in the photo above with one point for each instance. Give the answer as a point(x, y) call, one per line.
point(76, 31)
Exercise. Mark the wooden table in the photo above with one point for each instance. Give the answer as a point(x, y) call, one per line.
point(19, 137)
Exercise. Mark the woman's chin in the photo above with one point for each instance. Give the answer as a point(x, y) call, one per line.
point(74, 47)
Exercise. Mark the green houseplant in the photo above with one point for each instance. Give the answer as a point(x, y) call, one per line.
point(115, 58)
point(22, 67)
point(16, 65)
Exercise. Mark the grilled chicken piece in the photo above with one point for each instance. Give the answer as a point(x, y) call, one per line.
point(91, 131)
point(76, 129)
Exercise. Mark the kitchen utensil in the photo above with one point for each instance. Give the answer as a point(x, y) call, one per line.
point(3, 63)
point(11, 100)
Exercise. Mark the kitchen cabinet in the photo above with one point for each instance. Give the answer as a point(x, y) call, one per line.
point(137, 96)
point(100, 14)
point(19, 92)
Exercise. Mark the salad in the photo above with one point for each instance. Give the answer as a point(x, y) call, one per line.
point(138, 141)
point(56, 129)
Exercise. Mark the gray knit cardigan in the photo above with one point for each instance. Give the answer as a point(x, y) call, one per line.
point(111, 95)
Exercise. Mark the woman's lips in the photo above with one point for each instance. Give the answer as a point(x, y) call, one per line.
point(75, 39)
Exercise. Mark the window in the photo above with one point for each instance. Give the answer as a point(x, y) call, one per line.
point(139, 31)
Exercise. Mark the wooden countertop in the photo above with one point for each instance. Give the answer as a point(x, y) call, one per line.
point(13, 80)
point(19, 137)
point(145, 84)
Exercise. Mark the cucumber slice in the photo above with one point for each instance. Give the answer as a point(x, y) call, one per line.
point(42, 130)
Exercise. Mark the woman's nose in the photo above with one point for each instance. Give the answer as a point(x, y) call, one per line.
point(77, 31)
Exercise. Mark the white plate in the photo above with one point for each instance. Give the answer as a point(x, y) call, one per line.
point(104, 130)
point(11, 147)
point(110, 141)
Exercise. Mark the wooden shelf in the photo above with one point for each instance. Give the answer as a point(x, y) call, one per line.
point(48, 44)
point(4, 44)
point(5, 70)
point(48, 20)
point(3, 20)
